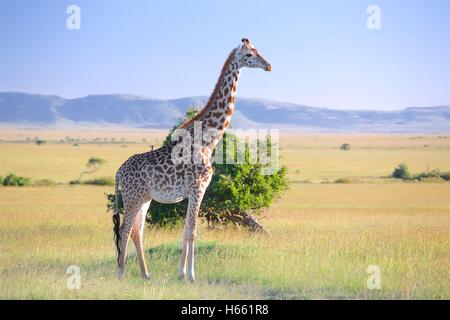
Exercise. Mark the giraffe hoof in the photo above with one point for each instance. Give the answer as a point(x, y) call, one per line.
point(182, 277)
point(145, 276)
point(121, 276)
point(182, 274)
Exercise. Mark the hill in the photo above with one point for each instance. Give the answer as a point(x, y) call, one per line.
point(20, 109)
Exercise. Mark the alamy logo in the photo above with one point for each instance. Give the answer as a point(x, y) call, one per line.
point(374, 19)
point(73, 22)
point(74, 280)
point(256, 147)
point(374, 280)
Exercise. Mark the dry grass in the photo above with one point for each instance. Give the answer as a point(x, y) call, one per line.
point(322, 236)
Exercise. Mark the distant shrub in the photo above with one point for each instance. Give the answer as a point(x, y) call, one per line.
point(345, 146)
point(343, 180)
point(103, 181)
point(40, 142)
point(445, 175)
point(75, 145)
point(1, 180)
point(14, 180)
point(401, 172)
point(73, 182)
point(44, 182)
point(93, 164)
point(434, 174)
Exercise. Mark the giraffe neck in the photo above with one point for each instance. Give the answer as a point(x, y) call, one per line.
point(216, 115)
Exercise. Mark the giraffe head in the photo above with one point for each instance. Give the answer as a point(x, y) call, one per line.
point(249, 57)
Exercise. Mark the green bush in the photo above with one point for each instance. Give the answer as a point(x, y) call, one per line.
point(401, 172)
point(234, 188)
point(190, 113)
point(103, 181)
point(111, 198)
point(167, 215)
point(1, 180)
point(14, 180)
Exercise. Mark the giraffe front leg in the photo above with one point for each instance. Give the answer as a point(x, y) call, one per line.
point(190, 261)
point(187, 270)
point(184, 251)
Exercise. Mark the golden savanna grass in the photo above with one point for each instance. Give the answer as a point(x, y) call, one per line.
point(322, 236)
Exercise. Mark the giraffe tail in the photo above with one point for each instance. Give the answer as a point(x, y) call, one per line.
point(116, 217)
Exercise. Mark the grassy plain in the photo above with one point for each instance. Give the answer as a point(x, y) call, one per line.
point(322, 236)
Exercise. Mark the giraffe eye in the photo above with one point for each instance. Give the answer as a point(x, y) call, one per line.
point(249, 55)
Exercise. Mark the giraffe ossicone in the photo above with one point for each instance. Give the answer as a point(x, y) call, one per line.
point(157, 176)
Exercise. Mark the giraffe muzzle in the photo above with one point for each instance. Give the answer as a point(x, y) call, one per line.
point(268, 67)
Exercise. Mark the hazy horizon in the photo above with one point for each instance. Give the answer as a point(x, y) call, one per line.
point(240, 97)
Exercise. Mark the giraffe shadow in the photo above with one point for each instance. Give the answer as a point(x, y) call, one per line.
point(173, 249)
point(209, 260)
point(202, 249)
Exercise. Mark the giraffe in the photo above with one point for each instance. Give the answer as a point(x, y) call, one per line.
point(156, 175)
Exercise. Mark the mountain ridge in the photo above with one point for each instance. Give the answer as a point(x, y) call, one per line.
point(18, 108)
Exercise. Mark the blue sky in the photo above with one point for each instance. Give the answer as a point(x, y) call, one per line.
point(322, 52)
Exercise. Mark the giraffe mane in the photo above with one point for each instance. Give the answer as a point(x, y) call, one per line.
point(213, 94)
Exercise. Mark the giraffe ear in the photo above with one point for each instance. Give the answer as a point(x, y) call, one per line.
point(245, 41)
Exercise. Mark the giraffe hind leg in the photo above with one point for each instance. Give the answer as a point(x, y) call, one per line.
point(137, 233)
point(129, 215)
